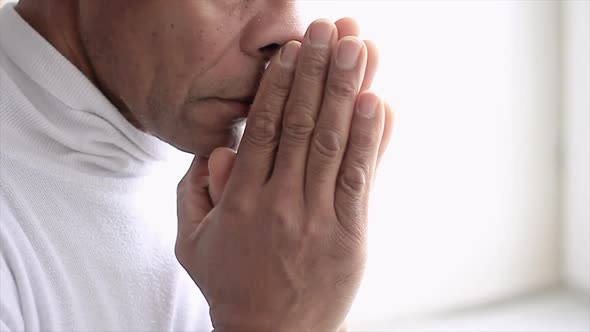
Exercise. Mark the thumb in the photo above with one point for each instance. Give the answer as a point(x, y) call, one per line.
point(221, 163)
point(193, 201)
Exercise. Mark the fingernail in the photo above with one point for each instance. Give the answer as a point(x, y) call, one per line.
point(320, 33)
point(289, 54)
point(348, 53)
point(367, 106)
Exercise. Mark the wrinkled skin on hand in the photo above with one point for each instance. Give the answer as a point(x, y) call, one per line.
point(275, 236)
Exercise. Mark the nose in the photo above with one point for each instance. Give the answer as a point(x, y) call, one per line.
point(270, 29)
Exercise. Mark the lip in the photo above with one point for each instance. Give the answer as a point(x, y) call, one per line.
point(239, 107)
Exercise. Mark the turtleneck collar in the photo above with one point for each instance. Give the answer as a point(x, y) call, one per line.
point(68, 120)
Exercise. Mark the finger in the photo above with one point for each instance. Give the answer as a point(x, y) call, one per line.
point(331, 133)
point(221, 163)
point(193, 202)
point(372, 64)
point(304, 103)
point(387, 131)
point(358, 166)
point(347, 27)
point(257, 150)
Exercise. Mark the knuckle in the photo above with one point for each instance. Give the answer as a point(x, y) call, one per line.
point(298, 126)
point(313, 65)
point(283, 211)
point(353, 179)
point(282, 224)
point(281, 220)
point(280, 85)
point(327, 143)
point(341, 87)
point(263, 133)
point(233, 208)
point(313, 230)
point(274, 100)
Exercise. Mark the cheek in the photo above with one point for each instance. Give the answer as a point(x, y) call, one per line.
point(163, 105)
point(185, 57)
point(188, 45)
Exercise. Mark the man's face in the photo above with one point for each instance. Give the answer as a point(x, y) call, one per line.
point(186, 70)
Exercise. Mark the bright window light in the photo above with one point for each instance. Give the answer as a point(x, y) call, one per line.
point(464, 211)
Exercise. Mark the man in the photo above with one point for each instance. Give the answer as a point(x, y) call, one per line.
point(273, 238)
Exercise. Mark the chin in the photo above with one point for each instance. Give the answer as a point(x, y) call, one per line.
point(205, 144)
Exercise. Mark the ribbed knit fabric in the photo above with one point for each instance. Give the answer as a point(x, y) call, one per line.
point(87, 204)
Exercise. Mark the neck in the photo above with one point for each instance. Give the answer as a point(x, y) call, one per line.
point(57, 22)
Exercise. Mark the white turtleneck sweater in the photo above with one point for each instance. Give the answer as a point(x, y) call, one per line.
point(87, 204)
